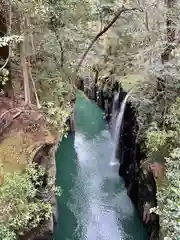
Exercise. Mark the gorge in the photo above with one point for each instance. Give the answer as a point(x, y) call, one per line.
point(94, 204)
point(139, 181)
point(118, 167)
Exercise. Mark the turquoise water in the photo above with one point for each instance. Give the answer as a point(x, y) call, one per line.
point(94, 204)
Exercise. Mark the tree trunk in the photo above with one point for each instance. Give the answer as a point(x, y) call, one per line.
point(8, 86)
point(25, 76)
point(34, 87)
point(23, 49)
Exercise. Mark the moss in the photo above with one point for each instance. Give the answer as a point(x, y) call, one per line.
point(18, 148)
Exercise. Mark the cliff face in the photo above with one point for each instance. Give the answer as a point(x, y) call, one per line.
point(140, 183)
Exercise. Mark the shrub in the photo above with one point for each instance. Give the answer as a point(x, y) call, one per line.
point(166, 143)
point(20, 209)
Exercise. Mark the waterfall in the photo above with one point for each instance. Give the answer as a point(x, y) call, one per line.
point(114, 113)
point(117, 129)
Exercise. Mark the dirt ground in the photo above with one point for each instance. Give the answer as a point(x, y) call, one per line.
point(22, 132)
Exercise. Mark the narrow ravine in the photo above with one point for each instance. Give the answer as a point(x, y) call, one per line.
point(94, 204)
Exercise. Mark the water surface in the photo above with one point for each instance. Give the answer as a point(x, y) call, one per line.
point(94, 204)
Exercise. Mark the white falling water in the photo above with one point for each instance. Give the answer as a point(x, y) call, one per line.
point(114, 113)
point(117, 131)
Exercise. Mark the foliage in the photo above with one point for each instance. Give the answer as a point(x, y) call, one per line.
point(4, 41)
point(168, 195)
point(4, 76)
point(20, 209)
point(57, 116)
point(169, 198)
point(58, 191)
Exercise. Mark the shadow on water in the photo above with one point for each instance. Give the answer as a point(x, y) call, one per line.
point(66, 170)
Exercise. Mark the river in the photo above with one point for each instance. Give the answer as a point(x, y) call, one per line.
point(94, 204)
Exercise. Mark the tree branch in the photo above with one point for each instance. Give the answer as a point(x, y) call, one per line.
point(6, 62)
point(62, 53)
point(105, 29)
point(61, 47)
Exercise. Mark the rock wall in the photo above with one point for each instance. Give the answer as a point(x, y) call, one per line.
point(140, 183)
